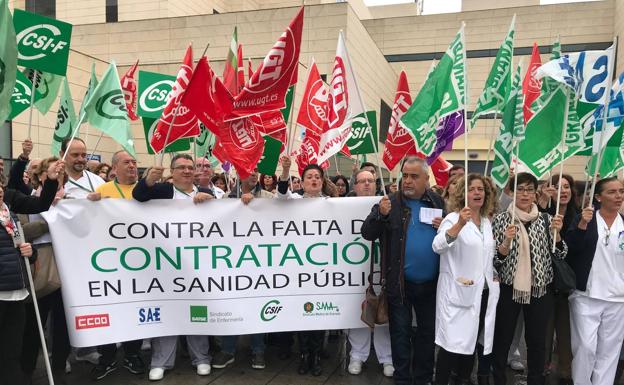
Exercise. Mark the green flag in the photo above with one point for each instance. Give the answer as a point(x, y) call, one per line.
point(540, 150)
point(360, 142)
point(612, 157)
point(93, 82)
point(20, 99)
point(149, 125)
point(47, 85)
point(511, 132)
point(65, 119)
point(498, 83)
point(204, 145)
point(442, 94)
point(106, 110)
point(8, 60)
point(42, 42)
point(289, 100)
point(270, 156)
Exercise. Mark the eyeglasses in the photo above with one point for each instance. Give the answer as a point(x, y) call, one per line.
point(204, 165)
point(365, 181)
point(184, 168)
point(528, 190)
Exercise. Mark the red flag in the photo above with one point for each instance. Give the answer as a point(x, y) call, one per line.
point(184, 120)
point(240, 72)
point(129, 87)
point(398, 141)
point(249, 68)
point(271, 123)
point(206, 97)
point(531, 86)
point(312, 118)
point(242, 143)
point(267, 87)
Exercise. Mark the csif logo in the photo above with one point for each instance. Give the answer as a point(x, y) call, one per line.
point(199, 313)
point(39, 40)
point(154, 97)
point(270, 310)
point(21, 93)
point(149, 315)
point(92, 321)
point(112, 105)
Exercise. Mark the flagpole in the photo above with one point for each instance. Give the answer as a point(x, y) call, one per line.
point(290, 140)
point(516, 146)
point(563, 140)
point(71, 140)
point(336, 164)
point(605, 114)
point(162, 153)
point(466, 128)
point(492, 135)
point(372, 139)
point(96, 144)
point(32, 102)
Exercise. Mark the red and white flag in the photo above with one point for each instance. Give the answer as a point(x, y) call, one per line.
point(183, 119)
point(242, 143)
point(129, 87)
point(268, 86)
point(531, 86)
point(230, 76)
point(398, 141)
point(271, 123)
point(343, 104)
point(240, 70)
point(249, 68)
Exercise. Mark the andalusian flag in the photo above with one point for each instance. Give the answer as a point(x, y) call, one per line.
point(231, 65)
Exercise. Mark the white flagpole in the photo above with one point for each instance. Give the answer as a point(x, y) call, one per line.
point(74, 135)
point(32, 102)
point(605, 114)
point(563, 147)
point(97, 144)
point(466, 98)
point(162, 152)
point(516, 146)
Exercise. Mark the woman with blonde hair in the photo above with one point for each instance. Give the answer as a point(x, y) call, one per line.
point(466, 285)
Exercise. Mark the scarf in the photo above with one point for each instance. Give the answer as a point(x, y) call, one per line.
point(6, 221)
point(522, 279)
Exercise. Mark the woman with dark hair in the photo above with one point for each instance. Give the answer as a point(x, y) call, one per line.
point(268, 182)
point(467, 288)
point(524, 254)
point(103, 170)
point(596, 254)
point(219, 181)
point(560, 321)
point(342, 185)
point(313, 181)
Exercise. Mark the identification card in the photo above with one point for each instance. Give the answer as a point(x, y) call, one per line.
point(427, 214)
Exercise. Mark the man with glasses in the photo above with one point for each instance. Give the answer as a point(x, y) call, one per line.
point(182, 187)
point(203, 177)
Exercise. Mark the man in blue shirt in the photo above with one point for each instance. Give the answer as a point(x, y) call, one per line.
point(398, 221)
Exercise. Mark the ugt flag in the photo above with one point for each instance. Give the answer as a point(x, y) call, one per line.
point(129, 87)
point(398, 141)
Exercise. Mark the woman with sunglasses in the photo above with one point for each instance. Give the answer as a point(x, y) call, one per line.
point(596, 242)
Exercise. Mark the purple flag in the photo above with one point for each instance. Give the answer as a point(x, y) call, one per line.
point(226, 166)
point(450, 127)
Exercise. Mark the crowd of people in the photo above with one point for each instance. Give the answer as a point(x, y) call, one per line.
point(465, 284)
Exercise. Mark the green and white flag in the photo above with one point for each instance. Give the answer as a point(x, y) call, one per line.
point(443, 93)
point(149, 125)
point(360, 140)
point(20, 98)
point(65, 119)
point(106, 110)
point(47, 85)
point(93, 83)
point(540, 150)
point(204, 145)
point(511, 132)
point(612, 157)
point(8, 60)
point(498, 83)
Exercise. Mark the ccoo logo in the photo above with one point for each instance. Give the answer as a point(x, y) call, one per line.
point(42, 39)
point(155, 97)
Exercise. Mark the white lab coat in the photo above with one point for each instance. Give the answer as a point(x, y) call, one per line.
point(458, 305)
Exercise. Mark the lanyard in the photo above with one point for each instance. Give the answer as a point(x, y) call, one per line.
point(183, 192)
point(119, 189)
point(81, 186)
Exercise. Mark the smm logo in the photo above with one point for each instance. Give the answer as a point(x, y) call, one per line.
point(154, 98)
point(41, 38)
point(199, 313)
point(92, 321)
point(270, 310)
point(149, 315)
point(308, 307)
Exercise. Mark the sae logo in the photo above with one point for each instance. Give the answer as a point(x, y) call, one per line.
point(149, 315)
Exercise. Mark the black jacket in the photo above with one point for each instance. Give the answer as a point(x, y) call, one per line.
point(16, 177)
point(12, 265)
point(142, 193)
point(581, 249)
point(390, 230)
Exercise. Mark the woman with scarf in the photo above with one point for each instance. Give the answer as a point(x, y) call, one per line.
point(524, 253)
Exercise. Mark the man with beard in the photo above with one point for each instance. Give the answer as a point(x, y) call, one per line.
point(80, 182)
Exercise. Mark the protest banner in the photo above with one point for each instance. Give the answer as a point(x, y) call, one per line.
point(139, 270)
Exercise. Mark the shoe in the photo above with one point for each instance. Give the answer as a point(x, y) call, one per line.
point(483, 379)
point(92, 357)
point(388, 370)
point(315, 365)
point(156, 374)
point(134, 364)
point(222, 359)
point(67, 367)
point(102, 370)
point(257, 361)
point(355, 367)
point(146, 344)
point(516, 365)
point(203, 369)
point(59, 377)
point(304, 364)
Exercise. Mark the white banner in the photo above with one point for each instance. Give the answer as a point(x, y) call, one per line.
point(168, 267)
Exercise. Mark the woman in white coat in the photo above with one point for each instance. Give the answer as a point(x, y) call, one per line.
point(467, 288)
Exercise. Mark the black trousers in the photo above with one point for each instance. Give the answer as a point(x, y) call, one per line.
point(460, 363)
point(413, 353)
point(311, 341)
point(108, 352)
point(12, 318)
point(51, 304)
point(536, 317)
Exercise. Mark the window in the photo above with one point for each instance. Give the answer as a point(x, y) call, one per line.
point(42, 7)
point(385, 113)
point(111, 11)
